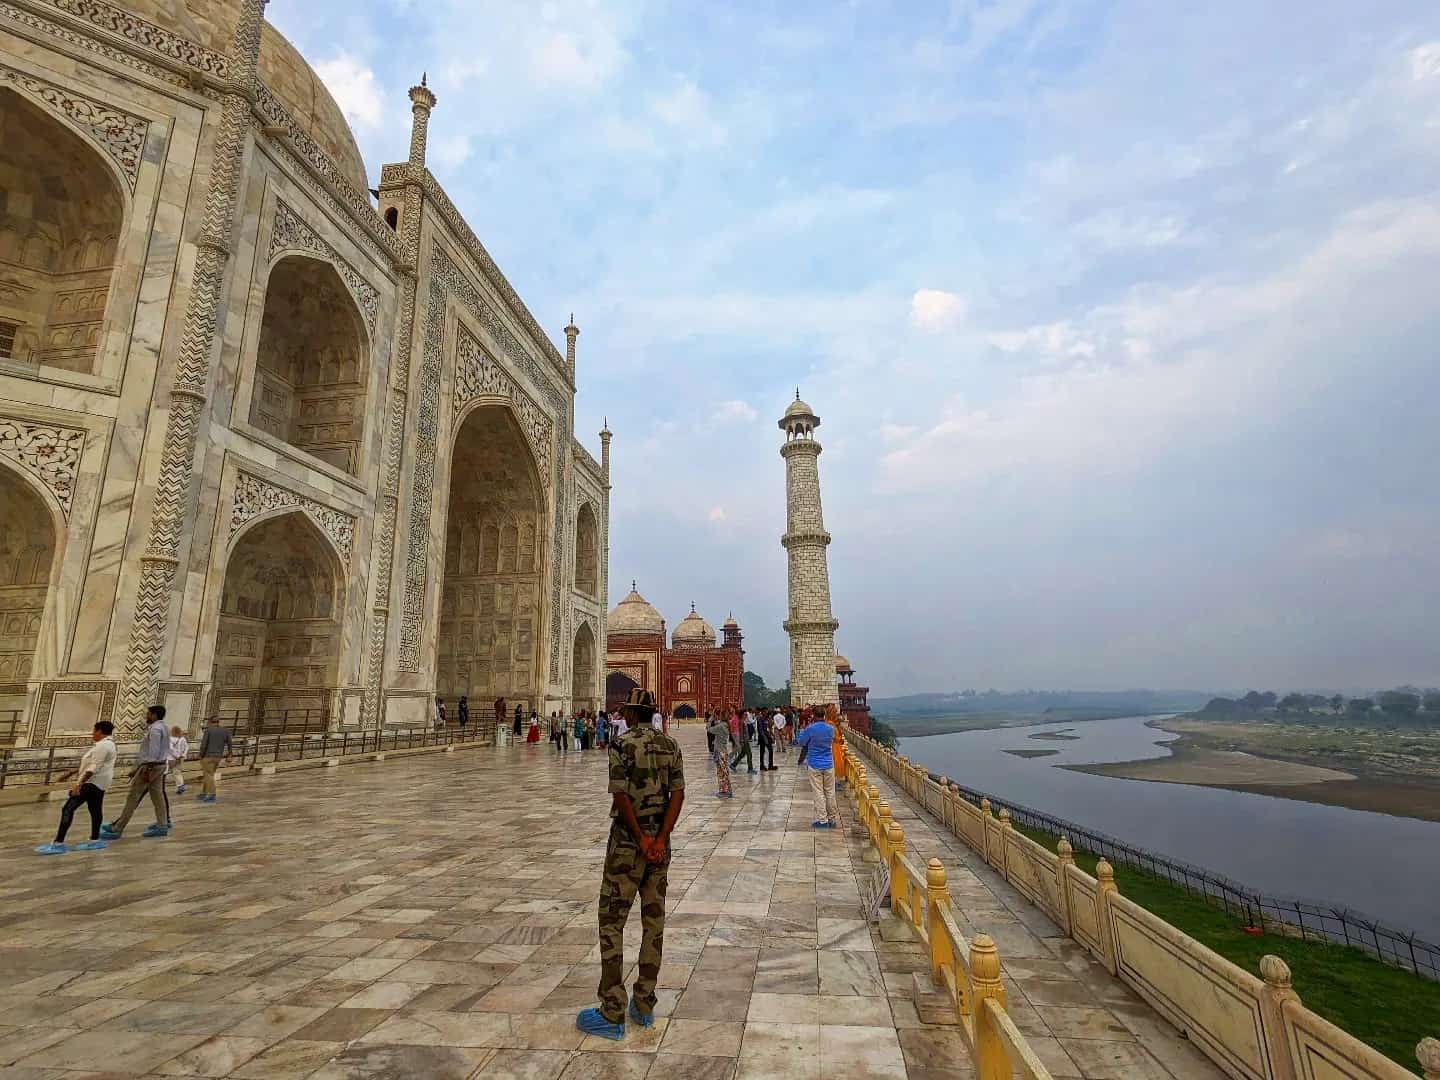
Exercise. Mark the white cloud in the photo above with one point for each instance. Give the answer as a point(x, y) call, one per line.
point(352, 83)
point(731, 411)
point(935, 310)
point(717, 513)
point(892, 433)
point(1425, 61)
point(687, 110)
point(564, 61)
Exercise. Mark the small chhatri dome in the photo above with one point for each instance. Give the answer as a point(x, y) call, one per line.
point(842, 666)
point(693, 630)
point(634, 615)
point(730, 623)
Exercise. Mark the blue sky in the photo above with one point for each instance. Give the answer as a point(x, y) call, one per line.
point(1121, 318)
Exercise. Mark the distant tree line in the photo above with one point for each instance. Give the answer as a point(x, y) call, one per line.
point(760, 696)
point(1404, 704)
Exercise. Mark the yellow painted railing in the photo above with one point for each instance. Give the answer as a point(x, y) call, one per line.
point(1253, 1028)
point(968, 971)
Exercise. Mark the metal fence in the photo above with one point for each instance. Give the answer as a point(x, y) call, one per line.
point(1306, 919)
point(52, 765)
point(9, 726)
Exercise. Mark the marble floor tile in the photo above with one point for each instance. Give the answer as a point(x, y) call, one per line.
point(463, 940)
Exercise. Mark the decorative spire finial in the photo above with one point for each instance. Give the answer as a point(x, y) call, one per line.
point(422, 78)
point(633, 587)
point(797, 393)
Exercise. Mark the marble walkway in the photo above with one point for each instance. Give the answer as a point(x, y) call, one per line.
point(434, 916)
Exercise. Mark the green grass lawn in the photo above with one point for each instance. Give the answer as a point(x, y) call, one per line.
point(1388, 1008)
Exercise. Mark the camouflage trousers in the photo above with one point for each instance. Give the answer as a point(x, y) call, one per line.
point(627, 872)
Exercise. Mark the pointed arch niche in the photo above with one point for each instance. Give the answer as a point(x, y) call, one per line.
point(28, 544)
point(310, 370)
point(582, 685)
point(491, 597)
point(61, 214)
point(587, 552)
point(279, 640)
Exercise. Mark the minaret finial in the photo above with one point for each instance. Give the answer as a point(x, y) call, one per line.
point(692, 607)
point(633, 586)
point(797, 393)
point(422, 78)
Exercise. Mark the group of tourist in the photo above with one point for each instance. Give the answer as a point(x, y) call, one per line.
point(731, 733)
point(159, 762)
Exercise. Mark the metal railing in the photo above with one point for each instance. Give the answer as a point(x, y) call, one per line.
point(43, 766)
point(9, 726)
point(1310, 920)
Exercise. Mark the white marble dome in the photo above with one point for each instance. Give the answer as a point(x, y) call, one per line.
point(634, 615)
point(693, 630)
point(288, 75)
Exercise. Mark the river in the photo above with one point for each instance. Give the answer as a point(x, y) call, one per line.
point(1388, 867)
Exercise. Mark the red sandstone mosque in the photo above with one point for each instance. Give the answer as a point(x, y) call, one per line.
point(691, 675)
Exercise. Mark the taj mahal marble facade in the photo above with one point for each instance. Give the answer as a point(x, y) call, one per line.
point(266, 443)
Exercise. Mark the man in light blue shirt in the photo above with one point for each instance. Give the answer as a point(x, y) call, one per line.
point(149, 777)
point(815, 744)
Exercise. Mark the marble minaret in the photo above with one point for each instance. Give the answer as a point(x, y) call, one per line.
point(811, 626)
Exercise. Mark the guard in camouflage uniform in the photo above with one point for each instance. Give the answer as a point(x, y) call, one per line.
point(647, 786)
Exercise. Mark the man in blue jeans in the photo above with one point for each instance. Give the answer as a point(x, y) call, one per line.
point(815, 751)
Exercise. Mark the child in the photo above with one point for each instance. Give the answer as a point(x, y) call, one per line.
point(179, 747)
point(97, 770)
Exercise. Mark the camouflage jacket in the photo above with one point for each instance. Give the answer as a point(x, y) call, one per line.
point(646, 765)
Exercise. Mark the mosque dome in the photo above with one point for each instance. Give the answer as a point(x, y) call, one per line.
point(283, 70)
point(693, 630)
point(634, 615)
point(842, 666)
point(798, 408)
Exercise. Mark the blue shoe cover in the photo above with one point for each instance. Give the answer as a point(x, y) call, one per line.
point(156, 830)
point(91, 845)
point(645, 1020)
point(107, 832)
point(50, 849)
point(819, 824)
point(592, 1022)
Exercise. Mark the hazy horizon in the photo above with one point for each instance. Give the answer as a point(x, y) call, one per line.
point(1120, 318)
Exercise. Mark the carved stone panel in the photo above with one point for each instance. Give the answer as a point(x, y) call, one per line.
point(254, 496)
point(120, 134)
point(47, 452)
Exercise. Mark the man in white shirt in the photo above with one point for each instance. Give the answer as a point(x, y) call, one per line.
point(621, 725)
point(149, 778)
point(657, 722)
point(97, 770)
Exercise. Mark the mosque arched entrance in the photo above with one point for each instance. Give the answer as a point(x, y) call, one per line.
point(684, 712)
point(310, 366)
point(491, 601)
point(617, 689)
point(582, 688)
point(28, 545)
point(277, 651)
point(61, 214)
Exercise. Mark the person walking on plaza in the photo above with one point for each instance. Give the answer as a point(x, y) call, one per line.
point(147, 779)
point(519, 720)
point(719, 736)
point(765, 736)
point(214, 745)
point(621, 725)
point(602, 724)
point(439, 713)
point(647, 787)
point(580, 731)
point(179, 749)
point(97, 770)
point(533, 734)
point(462, 712)
point(738, 730)
point(816, 744)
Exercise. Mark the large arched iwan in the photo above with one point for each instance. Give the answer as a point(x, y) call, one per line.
point(61, 217)
point(277, 651)
point(491, 600)
point(310, 369)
